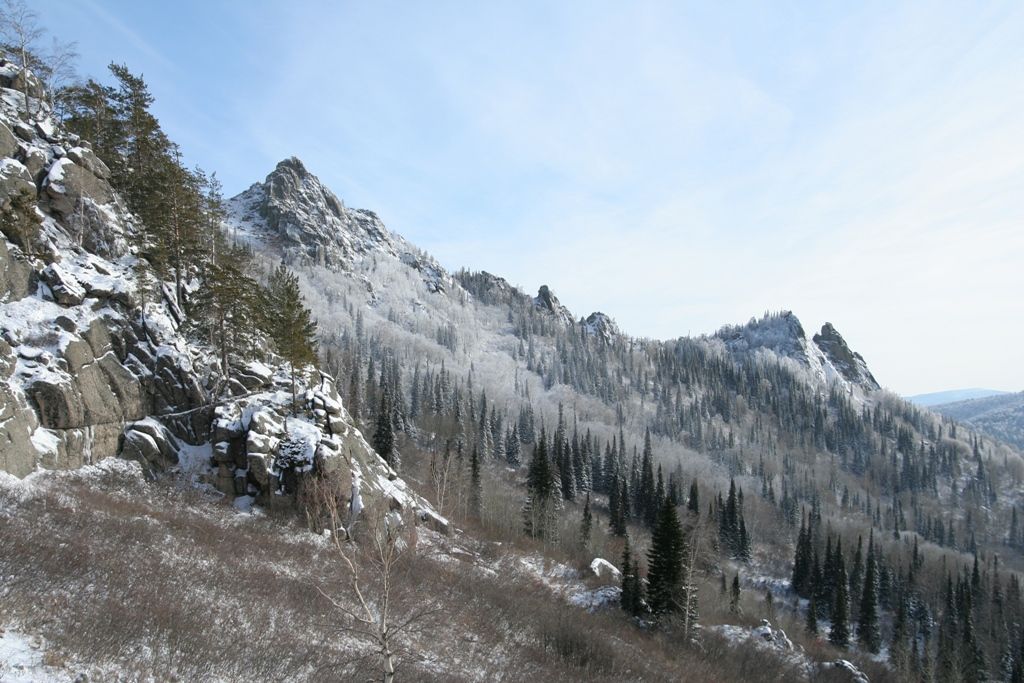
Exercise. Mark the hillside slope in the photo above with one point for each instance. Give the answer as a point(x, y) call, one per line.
point(1000, 417)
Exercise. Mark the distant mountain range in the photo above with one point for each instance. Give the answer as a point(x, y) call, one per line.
point(941, 397)
point(1000, 416)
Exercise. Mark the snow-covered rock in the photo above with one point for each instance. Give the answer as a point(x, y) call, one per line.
point(602, 567)
point(826, 359)
point(548, 302)
point(294, 213)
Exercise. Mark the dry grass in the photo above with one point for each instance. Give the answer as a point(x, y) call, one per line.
point(129, 580)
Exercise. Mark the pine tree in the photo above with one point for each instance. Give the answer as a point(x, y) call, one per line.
point(384, 434)
point(664, 562)
point(734, 596)
point(512, 448)
point(542, 494)
point(839, 635)
point(586, 524)
point(289, 322)
point(693, 502)
point(811, 619)
point(868, 632)
point(631, 598)
point(475, 487)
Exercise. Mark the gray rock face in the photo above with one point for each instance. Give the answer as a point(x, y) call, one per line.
point(547, 301)
point(602, 327)
point(67, 291)
point(16, 274)
point(87, 159)
point(850, 364)
point(17, 422)
point(292, 211)
point(8, 143)
point(150, 443)
point(67, 184)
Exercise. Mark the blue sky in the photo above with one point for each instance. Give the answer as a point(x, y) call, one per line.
point(678, 166)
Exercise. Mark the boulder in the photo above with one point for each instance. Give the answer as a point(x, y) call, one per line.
point(166, 444)
point(58, 402)
point(88, 160)
point(78, 354)
point(35, 161)
point(260, 443)
point(98, 337)
point(125, 386)
point(23, 130)
point(8, 143)
point(67, 183)
point(142, 447)
point(15, 179)
point(67, 291)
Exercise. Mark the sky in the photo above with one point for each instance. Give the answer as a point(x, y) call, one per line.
point(678, 166)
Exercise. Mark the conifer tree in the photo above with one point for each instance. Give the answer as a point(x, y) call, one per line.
point(868, 632)
point(811, 619)
point(542, 493)
point(289, 322)
point(693, 502)
point(664, 562)
point(839, 635)
point(734, 596)
point(512, 447)
point(586, 524)
point(631, 598)
point(475, 487)
point(384, 434)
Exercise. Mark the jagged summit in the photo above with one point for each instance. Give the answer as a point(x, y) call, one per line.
point(849, 363)
point(827, 356)
point(294, 212)
point(547, 301)
point(600, 325)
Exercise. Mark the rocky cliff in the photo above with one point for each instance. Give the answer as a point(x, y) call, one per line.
point(88, 371)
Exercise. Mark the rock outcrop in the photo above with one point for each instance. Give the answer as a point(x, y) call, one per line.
point(294, 213)
point(600, 326)
point(548, 302)
point(826, 358)
point(848, 363)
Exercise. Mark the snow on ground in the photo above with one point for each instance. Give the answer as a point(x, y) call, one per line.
point(768, 638)
point(21, 661)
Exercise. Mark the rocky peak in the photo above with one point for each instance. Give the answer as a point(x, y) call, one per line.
point(547, 301)
point(599, 325)
point(849, 364)
point(294, 212)
point(827, 357)
point(779, 332)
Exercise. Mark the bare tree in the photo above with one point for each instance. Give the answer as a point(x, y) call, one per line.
point(59, 71)
point(20, 30)
point(377, 604)
point(440, 469)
